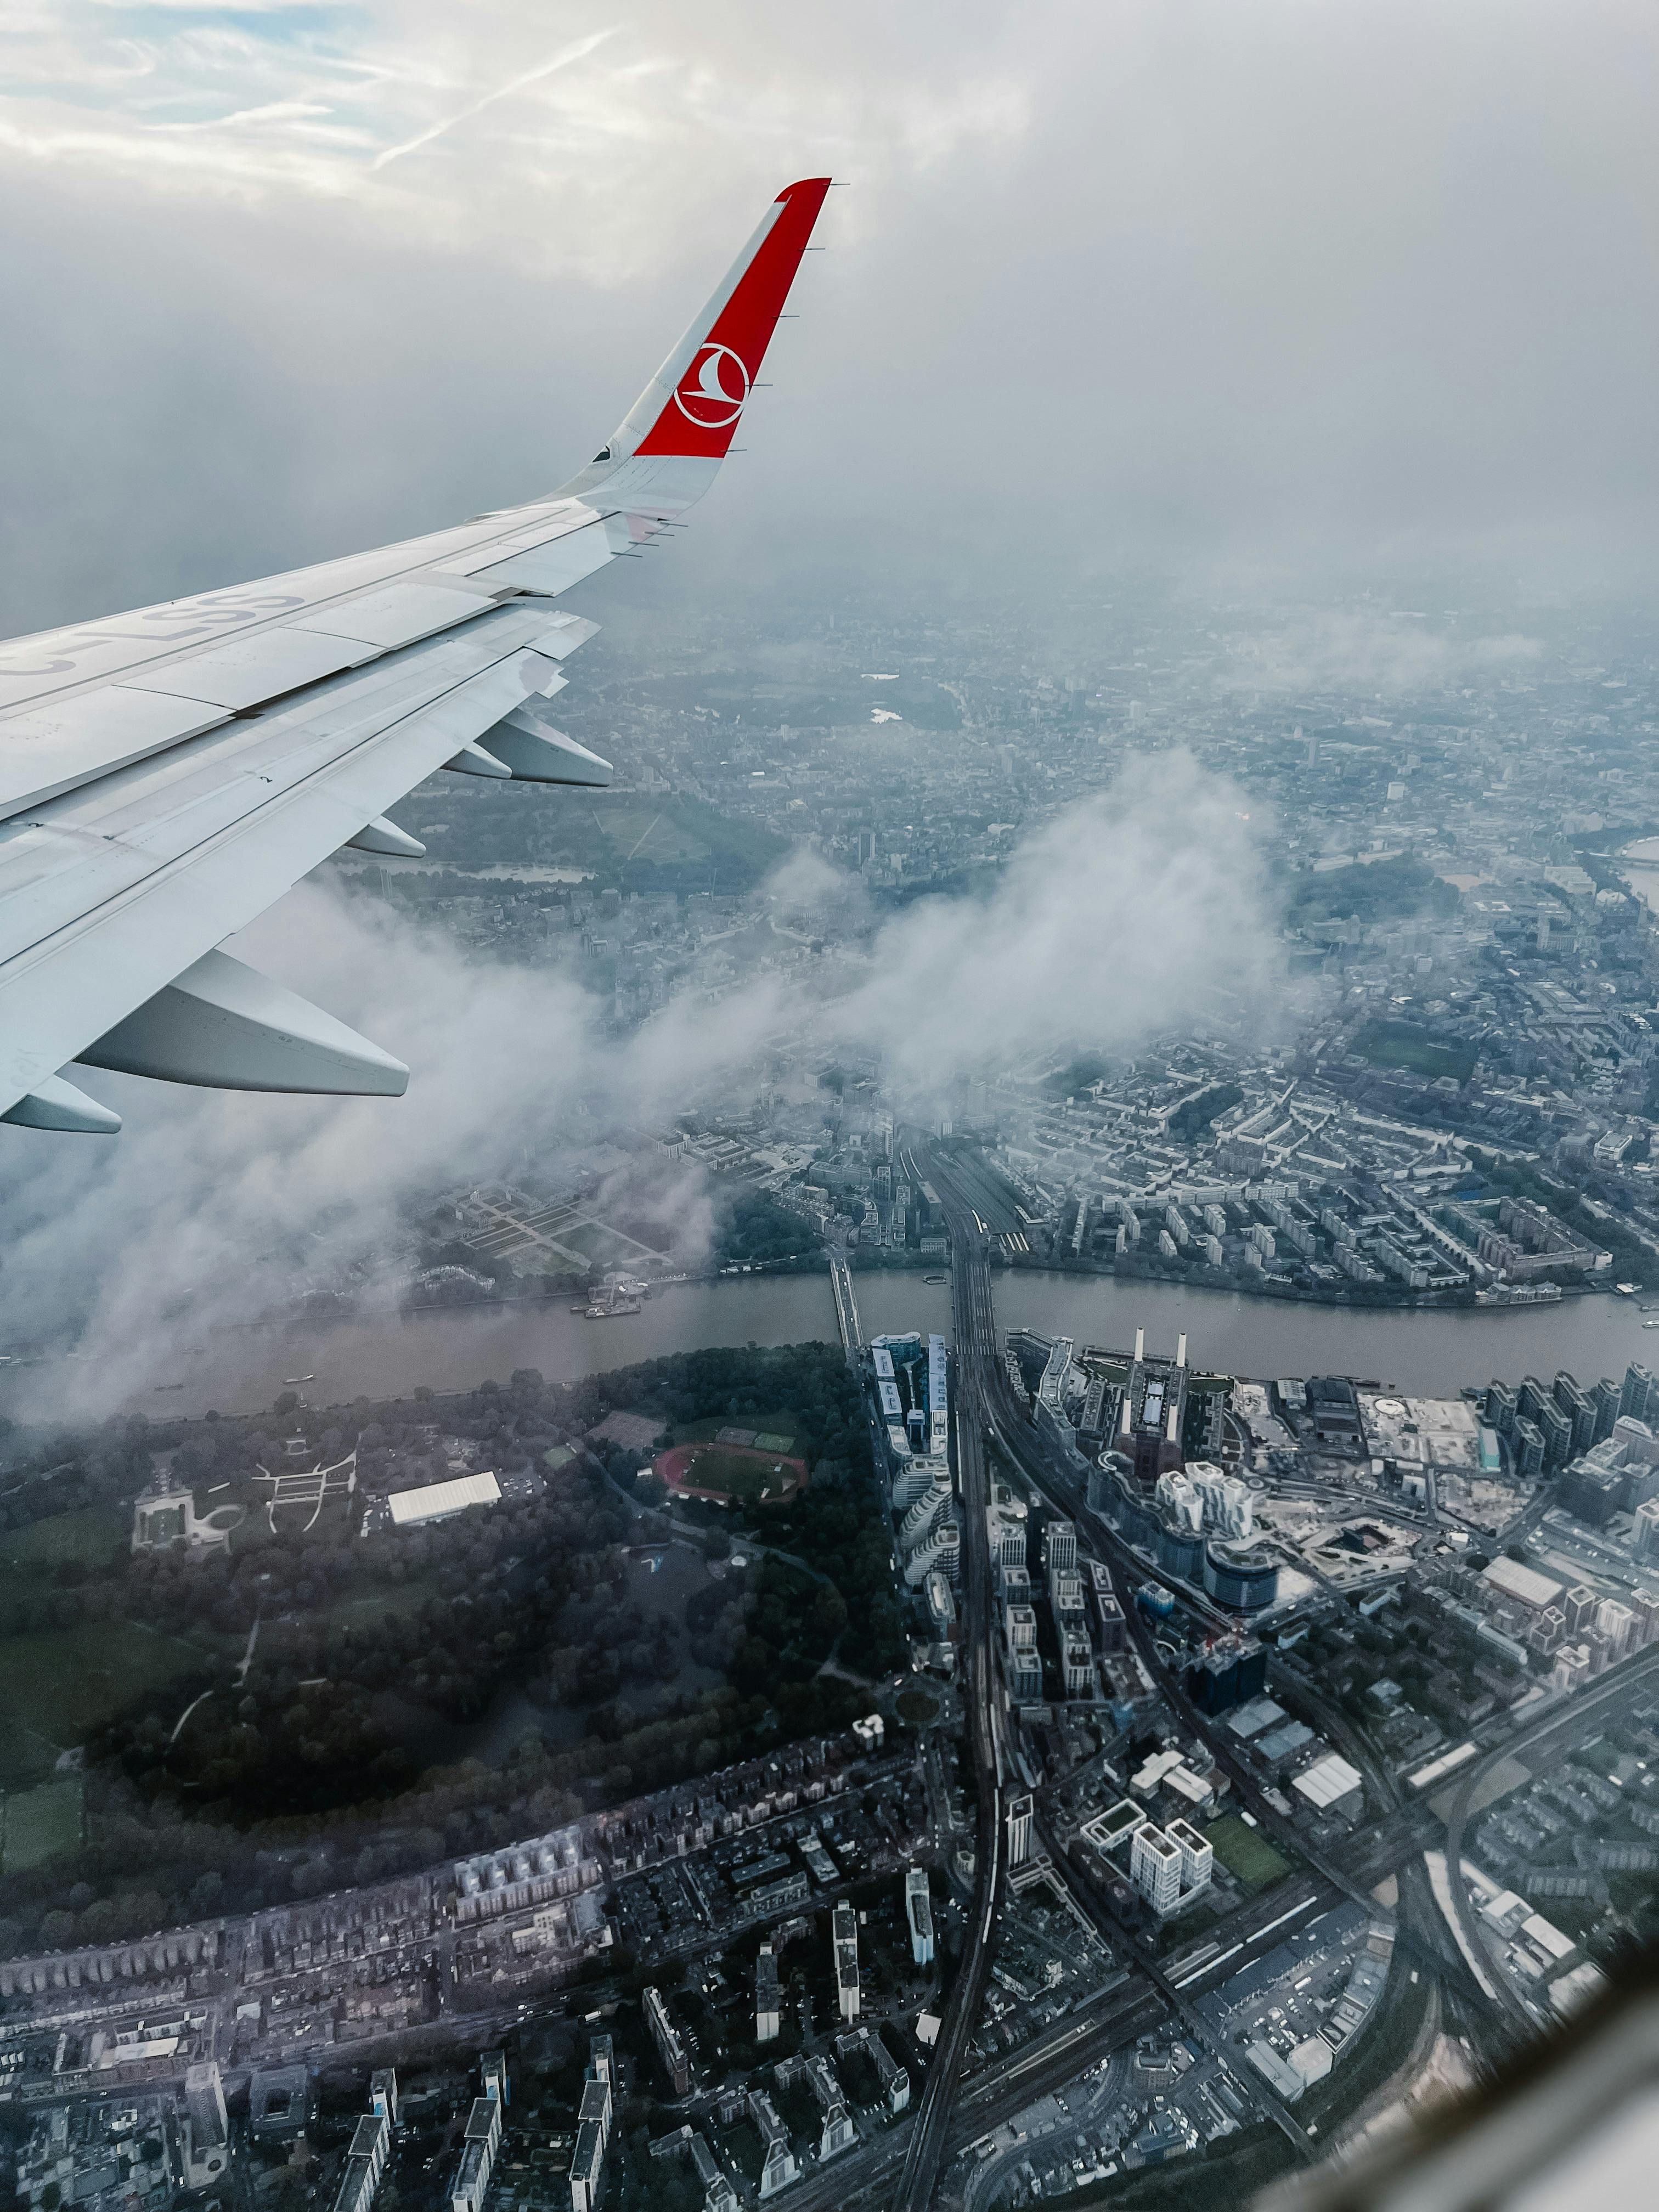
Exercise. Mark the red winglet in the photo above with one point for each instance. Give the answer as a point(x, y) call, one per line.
point(702, 416)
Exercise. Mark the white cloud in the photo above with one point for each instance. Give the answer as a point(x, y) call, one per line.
point(1379, 654)
point(1127, 916)
point(565, 58)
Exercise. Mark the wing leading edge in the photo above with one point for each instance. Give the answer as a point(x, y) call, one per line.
point(165, 775)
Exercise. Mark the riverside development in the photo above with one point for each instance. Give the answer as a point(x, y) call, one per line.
point(1009, 1763)
point(885, 1623)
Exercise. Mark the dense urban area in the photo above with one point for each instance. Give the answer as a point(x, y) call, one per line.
point(967, 1765)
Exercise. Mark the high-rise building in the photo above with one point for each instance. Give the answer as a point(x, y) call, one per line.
point(1229, 1673)
point(1019, 1831)
point(592, 2130)
point(1556, 1430)
point(471, 2186)
point(1580, 1409)
point(1579, 1605)
point(364, 2162)
point(1548, 1630)
point(492, 2070)
point(1607, 1395)
point(1077, 1663)
point(666, 2036)
point(1529, 1448)
point(1640, 1395)
point(836, 2133)
point(845, 1937)
point(918, 1911)
point(1244, 1577)
point(1155, 1869)
point(1616, 1622)
point(1644, 1533)
point(383, 2094)
point(586, 2168)
point(1059, 1547)
point(778, 2169)
point(766, 1995)
point(1197, 1856)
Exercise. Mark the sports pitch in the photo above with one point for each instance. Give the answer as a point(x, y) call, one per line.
point(1246, 1853)
point(731, 1474)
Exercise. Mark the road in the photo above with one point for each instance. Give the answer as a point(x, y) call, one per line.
point(1042, 1463)
point(1633, 1675)
point(975, 1328)
point(847, 1311)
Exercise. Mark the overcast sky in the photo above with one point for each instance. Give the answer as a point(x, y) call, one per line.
point(1214, 284)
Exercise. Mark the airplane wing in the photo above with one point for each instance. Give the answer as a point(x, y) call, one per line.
point(166, 775)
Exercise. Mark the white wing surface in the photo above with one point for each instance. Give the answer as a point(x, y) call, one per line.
point(166, 775)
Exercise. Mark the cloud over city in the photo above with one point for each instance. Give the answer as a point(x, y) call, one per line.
point(1141, 910)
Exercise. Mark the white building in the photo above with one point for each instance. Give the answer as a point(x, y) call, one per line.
point(1155, 1869)
point(1019, 1831)
point(1197, 1856)
point(442, 1501)
point(766, 1995)
point(1059, 1547)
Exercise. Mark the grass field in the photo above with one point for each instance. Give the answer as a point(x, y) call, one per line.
point(1246, 1853)
point(745, 1478)
point(89, 1537)
point(639, 830)
point(63, 1683)
point(1402, 1044)
point(37, 1825)
point(368, 1611)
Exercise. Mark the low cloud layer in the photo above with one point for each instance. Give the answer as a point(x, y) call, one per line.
point(1139, 911)
point(1374, 654)
point(1235, 286)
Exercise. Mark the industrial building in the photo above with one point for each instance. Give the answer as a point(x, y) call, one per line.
point(441, 1501)
point(1331, 1785)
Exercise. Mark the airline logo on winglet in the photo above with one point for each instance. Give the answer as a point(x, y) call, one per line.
point(707, 402)
point(713, 391)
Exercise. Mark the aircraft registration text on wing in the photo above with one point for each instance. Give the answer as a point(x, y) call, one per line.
point(165, 775)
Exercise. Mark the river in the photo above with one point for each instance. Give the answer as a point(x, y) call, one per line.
point(456, 1347)
point(1641, 870)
